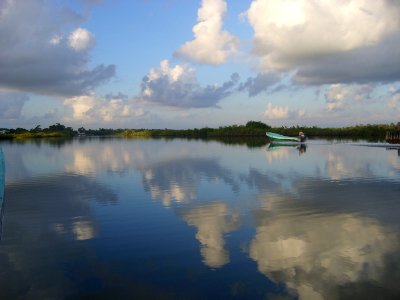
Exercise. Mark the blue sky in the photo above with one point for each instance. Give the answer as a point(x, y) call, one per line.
point(186, 64)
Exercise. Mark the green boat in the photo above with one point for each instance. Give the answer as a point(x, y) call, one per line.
point(276, 137)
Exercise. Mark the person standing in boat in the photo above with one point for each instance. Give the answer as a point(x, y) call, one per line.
point(302, 136)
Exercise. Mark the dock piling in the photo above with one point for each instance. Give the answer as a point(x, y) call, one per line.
point(393, 137)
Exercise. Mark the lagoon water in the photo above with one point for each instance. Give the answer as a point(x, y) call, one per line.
point(192, 219)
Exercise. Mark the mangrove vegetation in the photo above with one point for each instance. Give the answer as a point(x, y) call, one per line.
point(250, 129)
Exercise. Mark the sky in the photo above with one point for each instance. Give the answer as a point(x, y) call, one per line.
point(206, 63)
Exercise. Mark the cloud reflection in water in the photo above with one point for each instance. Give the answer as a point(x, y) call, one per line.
point(178, 179)
point(212, 222)
point(321, 224)
point(46, 219)
point(318, 254)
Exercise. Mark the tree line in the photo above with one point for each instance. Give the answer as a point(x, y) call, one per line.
point(250, 129)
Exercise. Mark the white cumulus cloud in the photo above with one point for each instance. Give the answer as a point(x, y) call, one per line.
point(276, 112)
point(80, 39)
point(178, 87)
point(56, 40)
point(40, 55)
point(211, 44)
point(91, 109)
point(394, 101)
point(327, 41)
point(340, 96)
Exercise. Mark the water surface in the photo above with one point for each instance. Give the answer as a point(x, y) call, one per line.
point(191, 219)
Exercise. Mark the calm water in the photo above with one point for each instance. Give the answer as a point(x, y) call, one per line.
point(185, 219)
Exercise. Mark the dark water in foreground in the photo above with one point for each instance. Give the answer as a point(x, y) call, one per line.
point(180, 219)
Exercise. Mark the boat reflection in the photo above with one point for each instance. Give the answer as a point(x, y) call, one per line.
point(301, 147)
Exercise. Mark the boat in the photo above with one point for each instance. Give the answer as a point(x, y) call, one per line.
point(276, 137)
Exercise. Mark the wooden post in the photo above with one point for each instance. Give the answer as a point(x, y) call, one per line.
point(393, 137)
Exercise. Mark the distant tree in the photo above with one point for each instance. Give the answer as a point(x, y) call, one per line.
point(19, 130)
point(59, 128)
point(36, 129)
point(56, 127)
point(257, 125)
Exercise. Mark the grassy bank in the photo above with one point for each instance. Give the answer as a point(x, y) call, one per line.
point(35, 135)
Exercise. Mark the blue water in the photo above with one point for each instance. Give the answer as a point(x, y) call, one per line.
point(191, 219)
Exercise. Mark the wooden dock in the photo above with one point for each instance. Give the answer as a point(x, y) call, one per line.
point(393, 137)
